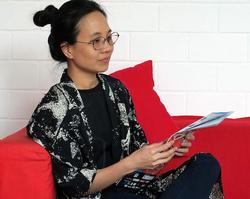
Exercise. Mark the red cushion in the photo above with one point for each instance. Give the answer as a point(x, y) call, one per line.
point(151, 113)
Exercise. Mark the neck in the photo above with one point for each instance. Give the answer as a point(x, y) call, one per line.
point(82, 79)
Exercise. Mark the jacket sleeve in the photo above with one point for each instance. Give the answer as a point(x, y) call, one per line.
point(49, 127)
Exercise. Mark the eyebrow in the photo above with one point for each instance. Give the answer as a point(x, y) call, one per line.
point(98, 33)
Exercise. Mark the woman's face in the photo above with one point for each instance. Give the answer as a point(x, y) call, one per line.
point(83, 56)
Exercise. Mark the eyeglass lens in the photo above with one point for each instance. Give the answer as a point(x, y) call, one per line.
point(100, 42)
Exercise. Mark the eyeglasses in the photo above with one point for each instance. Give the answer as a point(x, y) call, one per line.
point(99, 42)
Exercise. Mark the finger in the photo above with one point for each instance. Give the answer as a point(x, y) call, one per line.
point(179, 154)
point(190, 136)
point(165, 146)
point(154, 169)
point(160, 147)
point(162, 161)
point(186, 144)
point(165, 154)
point(159, 167)
point(152, 148)
point(154, 145)
point(155, 148)
point(182, 150)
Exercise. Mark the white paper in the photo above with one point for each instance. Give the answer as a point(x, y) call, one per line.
point(211, 119)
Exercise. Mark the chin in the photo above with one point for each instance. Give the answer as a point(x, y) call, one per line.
point(103, 67)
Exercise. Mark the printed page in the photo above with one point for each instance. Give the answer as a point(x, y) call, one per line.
point(210, 120)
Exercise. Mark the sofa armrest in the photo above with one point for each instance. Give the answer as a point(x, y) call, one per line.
point(26, 171)
point(229, 143)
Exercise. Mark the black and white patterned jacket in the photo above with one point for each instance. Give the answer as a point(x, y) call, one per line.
point(60, 125)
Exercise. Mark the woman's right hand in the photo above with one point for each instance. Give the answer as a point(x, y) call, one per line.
point(151, 156)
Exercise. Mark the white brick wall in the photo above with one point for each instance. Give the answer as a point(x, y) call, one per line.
point(200, 49)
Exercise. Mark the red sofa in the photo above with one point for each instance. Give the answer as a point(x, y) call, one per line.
point(25, 167)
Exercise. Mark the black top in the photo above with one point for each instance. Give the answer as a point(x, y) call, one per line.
point(100, 123)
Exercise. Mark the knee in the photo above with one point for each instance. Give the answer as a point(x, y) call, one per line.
point(209, 162)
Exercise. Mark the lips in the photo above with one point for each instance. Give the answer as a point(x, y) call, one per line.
point(105, 60)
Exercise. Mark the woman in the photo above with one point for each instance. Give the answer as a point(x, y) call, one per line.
point(88, 125)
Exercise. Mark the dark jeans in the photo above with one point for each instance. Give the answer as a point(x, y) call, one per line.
point(195, 182)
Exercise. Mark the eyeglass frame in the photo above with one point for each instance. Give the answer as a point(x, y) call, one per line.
point(104, 41)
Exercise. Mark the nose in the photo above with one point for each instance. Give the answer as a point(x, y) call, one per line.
point(107, 47)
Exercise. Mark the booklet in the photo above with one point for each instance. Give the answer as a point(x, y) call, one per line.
point(136, 180)
point(140, 179)
point(210, 120)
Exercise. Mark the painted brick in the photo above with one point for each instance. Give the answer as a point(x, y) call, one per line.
point(187, 77)
point(218, 47)
point(126, 17)
point(204, 103)
point(30, 45)
point(234, 18)
point(200, 50)
point(248, 105)
point(175, 103)
point(121, 48)
point(5, 41)
point(10, 126)
point(49, 74)
point(189, 18)
point(248, 47)
point(18, 75)
point(18, 104)
point(159, 46)
point(16, 15)
point(234, 77)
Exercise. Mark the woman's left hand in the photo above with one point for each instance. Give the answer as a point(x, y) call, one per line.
point(185, 145)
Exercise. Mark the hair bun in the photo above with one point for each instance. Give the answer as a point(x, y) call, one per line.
point(46, 16)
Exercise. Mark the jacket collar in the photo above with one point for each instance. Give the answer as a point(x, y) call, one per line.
point(70, 87)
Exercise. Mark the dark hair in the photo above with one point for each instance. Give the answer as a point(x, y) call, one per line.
point(64, 23)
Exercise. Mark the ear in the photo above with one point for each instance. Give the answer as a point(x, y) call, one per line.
point(67, 50)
